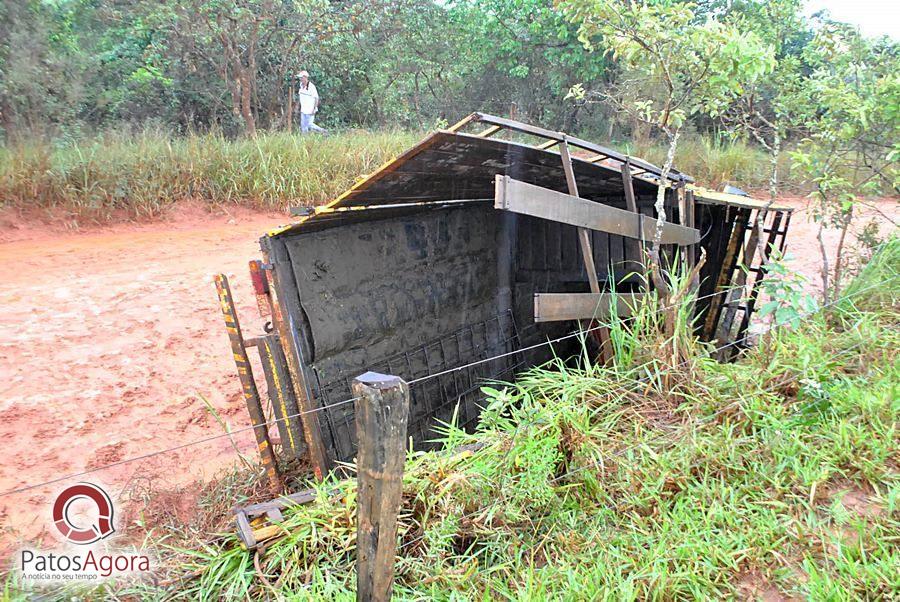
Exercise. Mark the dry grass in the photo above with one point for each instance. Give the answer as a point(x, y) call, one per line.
point(141, 175)
point(117, 175)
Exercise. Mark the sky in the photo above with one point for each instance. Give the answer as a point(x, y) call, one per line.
point(873, 17)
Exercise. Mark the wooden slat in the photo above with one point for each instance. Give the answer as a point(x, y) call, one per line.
point(723, 279)
point(462, 123)
point(674, 174)
point(740, 281)
point(630, 201)
point(584, 235)
point(548, 144)
point(555, 307)
point(519, 197)
point(488, 131)
point(691, 204)
point(712, 197)
point(636, 248)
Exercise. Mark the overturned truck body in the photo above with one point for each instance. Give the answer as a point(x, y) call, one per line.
point(449, 265)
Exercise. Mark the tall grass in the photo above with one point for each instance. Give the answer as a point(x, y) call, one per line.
point(713, 162)
point(140, 175)
point(145, 173)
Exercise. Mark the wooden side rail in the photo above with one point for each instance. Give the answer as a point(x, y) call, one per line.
point(527, 199)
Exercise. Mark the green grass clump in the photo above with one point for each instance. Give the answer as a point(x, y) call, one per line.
point(143, 174)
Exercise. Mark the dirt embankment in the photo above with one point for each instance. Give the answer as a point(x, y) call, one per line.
point(112, 338)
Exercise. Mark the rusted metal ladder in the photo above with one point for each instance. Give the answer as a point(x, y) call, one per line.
point(750, 269)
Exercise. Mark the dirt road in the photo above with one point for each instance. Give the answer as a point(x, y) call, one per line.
point(111, 340)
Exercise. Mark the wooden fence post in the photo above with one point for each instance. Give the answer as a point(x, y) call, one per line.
point(382, 413)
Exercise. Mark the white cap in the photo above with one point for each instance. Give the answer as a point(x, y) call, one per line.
point(303, 74)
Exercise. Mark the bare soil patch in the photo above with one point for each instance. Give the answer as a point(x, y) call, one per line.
point(752, 586)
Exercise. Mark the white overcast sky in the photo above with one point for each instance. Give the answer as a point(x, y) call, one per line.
point(873, 17)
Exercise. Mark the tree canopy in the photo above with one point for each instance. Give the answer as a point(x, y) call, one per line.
point(73, 65)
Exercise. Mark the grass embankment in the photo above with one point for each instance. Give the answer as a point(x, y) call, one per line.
point(141, 175)
point(651, 479)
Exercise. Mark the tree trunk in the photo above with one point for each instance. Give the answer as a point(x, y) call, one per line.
point(290, 108)
point(825, 268)
point(246, 105)
point(655, 261)
point(251, 75)
point(839, 253)
point(775, 155)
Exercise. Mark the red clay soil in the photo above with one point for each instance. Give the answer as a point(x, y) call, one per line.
point(112, 337)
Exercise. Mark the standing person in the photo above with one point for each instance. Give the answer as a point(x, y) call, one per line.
point(308, 104)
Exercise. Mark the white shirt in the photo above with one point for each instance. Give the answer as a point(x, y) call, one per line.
point(308, 97)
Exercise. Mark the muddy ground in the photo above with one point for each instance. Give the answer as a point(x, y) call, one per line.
point(112, 339)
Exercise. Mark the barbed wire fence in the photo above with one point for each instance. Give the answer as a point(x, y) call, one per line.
point(231, 432)
point(579, 333)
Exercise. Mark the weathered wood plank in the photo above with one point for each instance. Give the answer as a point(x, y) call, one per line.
point(487, 133)
point(281, 277)
point(519, 197)
point(633, 248)
point(281, 396)
point(555, 307)
point(382, 413)
point(723, 278)
point(584, 235)
point(587, 253)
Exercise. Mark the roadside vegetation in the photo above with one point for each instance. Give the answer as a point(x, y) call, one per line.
point(118, 175)
point(123, 175)
point(651, 478)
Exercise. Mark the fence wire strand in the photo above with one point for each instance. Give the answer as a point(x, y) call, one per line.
point(277, 420)
point(579, 333)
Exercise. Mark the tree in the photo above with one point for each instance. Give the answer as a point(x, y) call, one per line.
point(766, 110)
point(41, 65)
point(524, 52)
point(850, 107)
point(676, 68)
